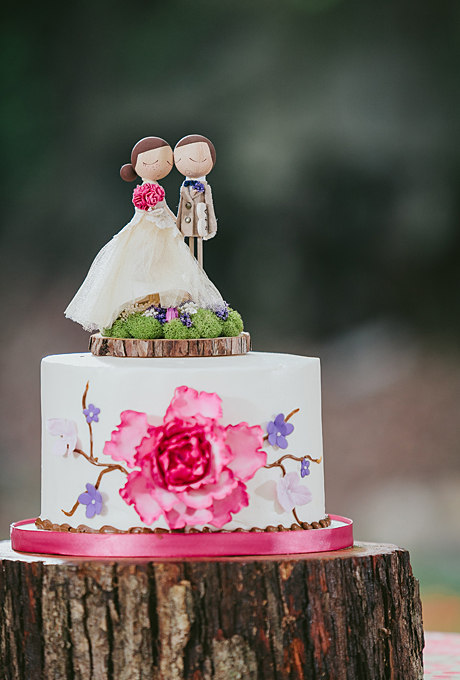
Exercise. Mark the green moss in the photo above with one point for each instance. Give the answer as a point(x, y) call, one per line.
point(144, 327)
point(233, 326)
point(120, 329)
point(175, 330)
point(206, 323)
point(192, 333)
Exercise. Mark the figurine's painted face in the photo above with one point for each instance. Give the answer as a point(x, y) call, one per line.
point(155, 164)
point(193, 160)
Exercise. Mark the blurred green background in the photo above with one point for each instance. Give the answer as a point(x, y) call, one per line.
point(337, 129)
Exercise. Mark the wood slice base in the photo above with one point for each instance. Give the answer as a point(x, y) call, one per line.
point(353, 614)
point(102, 346)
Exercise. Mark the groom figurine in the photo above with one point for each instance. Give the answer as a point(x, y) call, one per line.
point(194, 157)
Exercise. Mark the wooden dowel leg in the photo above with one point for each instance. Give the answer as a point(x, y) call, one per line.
point(191, 244)
point(200, 251)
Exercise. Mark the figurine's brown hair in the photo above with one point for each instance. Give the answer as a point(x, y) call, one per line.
point(192, 139)
point(127, 171)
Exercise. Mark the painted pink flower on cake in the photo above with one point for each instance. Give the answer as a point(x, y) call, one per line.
point(291, 492)
point(66, 430)
point(147, 195)
point(192, 469)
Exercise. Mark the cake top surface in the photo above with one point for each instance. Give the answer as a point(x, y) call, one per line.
point(246, 362)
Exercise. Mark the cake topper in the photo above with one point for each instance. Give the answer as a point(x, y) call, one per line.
point(147, 265)
point(145, 287)
point(195, 157)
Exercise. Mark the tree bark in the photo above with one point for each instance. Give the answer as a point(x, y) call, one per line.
point(352, 614)
point(202, 347)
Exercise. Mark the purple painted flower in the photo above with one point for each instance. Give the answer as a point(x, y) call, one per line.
point(278, 430)
point(304, 467)
point(92, 499)
point(291, 492)
point(92, 413)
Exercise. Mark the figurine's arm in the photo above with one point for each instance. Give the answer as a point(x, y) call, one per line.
point(212, 220)
point(180, 208)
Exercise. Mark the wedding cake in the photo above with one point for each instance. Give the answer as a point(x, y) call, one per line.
point(188, 432)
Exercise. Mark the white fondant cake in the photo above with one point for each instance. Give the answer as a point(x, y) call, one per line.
point(284, 487)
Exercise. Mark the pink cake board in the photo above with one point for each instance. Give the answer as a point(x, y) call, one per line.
point(25, 537)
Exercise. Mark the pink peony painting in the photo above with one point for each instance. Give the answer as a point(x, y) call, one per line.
point(190, 468)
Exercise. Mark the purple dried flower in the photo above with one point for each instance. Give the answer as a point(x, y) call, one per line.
point(92, 413)
point(304, 467)
point(278, 430)
point(160, 314)
point(92, 499)
point(186, 320)
point(222, 313)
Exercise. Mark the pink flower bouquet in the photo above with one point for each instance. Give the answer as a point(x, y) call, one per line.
point(147, 195)
point(191, 469)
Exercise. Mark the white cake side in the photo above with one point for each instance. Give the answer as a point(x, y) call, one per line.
point(254, 389)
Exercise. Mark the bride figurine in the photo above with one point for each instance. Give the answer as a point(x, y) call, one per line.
point(148, 259)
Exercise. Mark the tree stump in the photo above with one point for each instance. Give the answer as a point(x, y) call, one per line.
point(353, 614)
point(102, 346)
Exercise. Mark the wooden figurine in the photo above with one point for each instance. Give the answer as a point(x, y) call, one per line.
point(194, 157)
point(148, 258)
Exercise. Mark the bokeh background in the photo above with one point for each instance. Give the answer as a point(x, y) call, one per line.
point(337, 128)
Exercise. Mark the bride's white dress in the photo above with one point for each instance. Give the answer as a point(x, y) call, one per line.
point(147, 256)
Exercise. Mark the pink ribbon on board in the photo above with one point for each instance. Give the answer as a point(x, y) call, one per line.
point(26, 538)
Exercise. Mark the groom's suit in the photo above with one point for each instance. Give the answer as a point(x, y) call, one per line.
point(195, 215)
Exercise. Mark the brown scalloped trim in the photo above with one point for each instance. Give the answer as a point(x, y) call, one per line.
point(46, 525)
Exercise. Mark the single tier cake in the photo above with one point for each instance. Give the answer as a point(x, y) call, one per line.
point(192, 444)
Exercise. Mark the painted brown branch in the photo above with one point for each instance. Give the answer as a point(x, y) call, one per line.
point(83, 403)
point(109, 467)
point(69, 514)
point(292, 413)
point(276, 464)
point(91, 441)
point(294, 512)
point(94, 461)
point(299, 460)
point(85, 393)
point(279, 462)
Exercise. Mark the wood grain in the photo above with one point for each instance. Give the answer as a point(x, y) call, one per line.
point(204, 347)
point(353, 614)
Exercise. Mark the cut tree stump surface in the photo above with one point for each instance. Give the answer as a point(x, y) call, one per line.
point(353, 614)
point(103, 346)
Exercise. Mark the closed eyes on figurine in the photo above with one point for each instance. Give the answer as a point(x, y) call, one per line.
point(149, 164)
point(191, 159)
